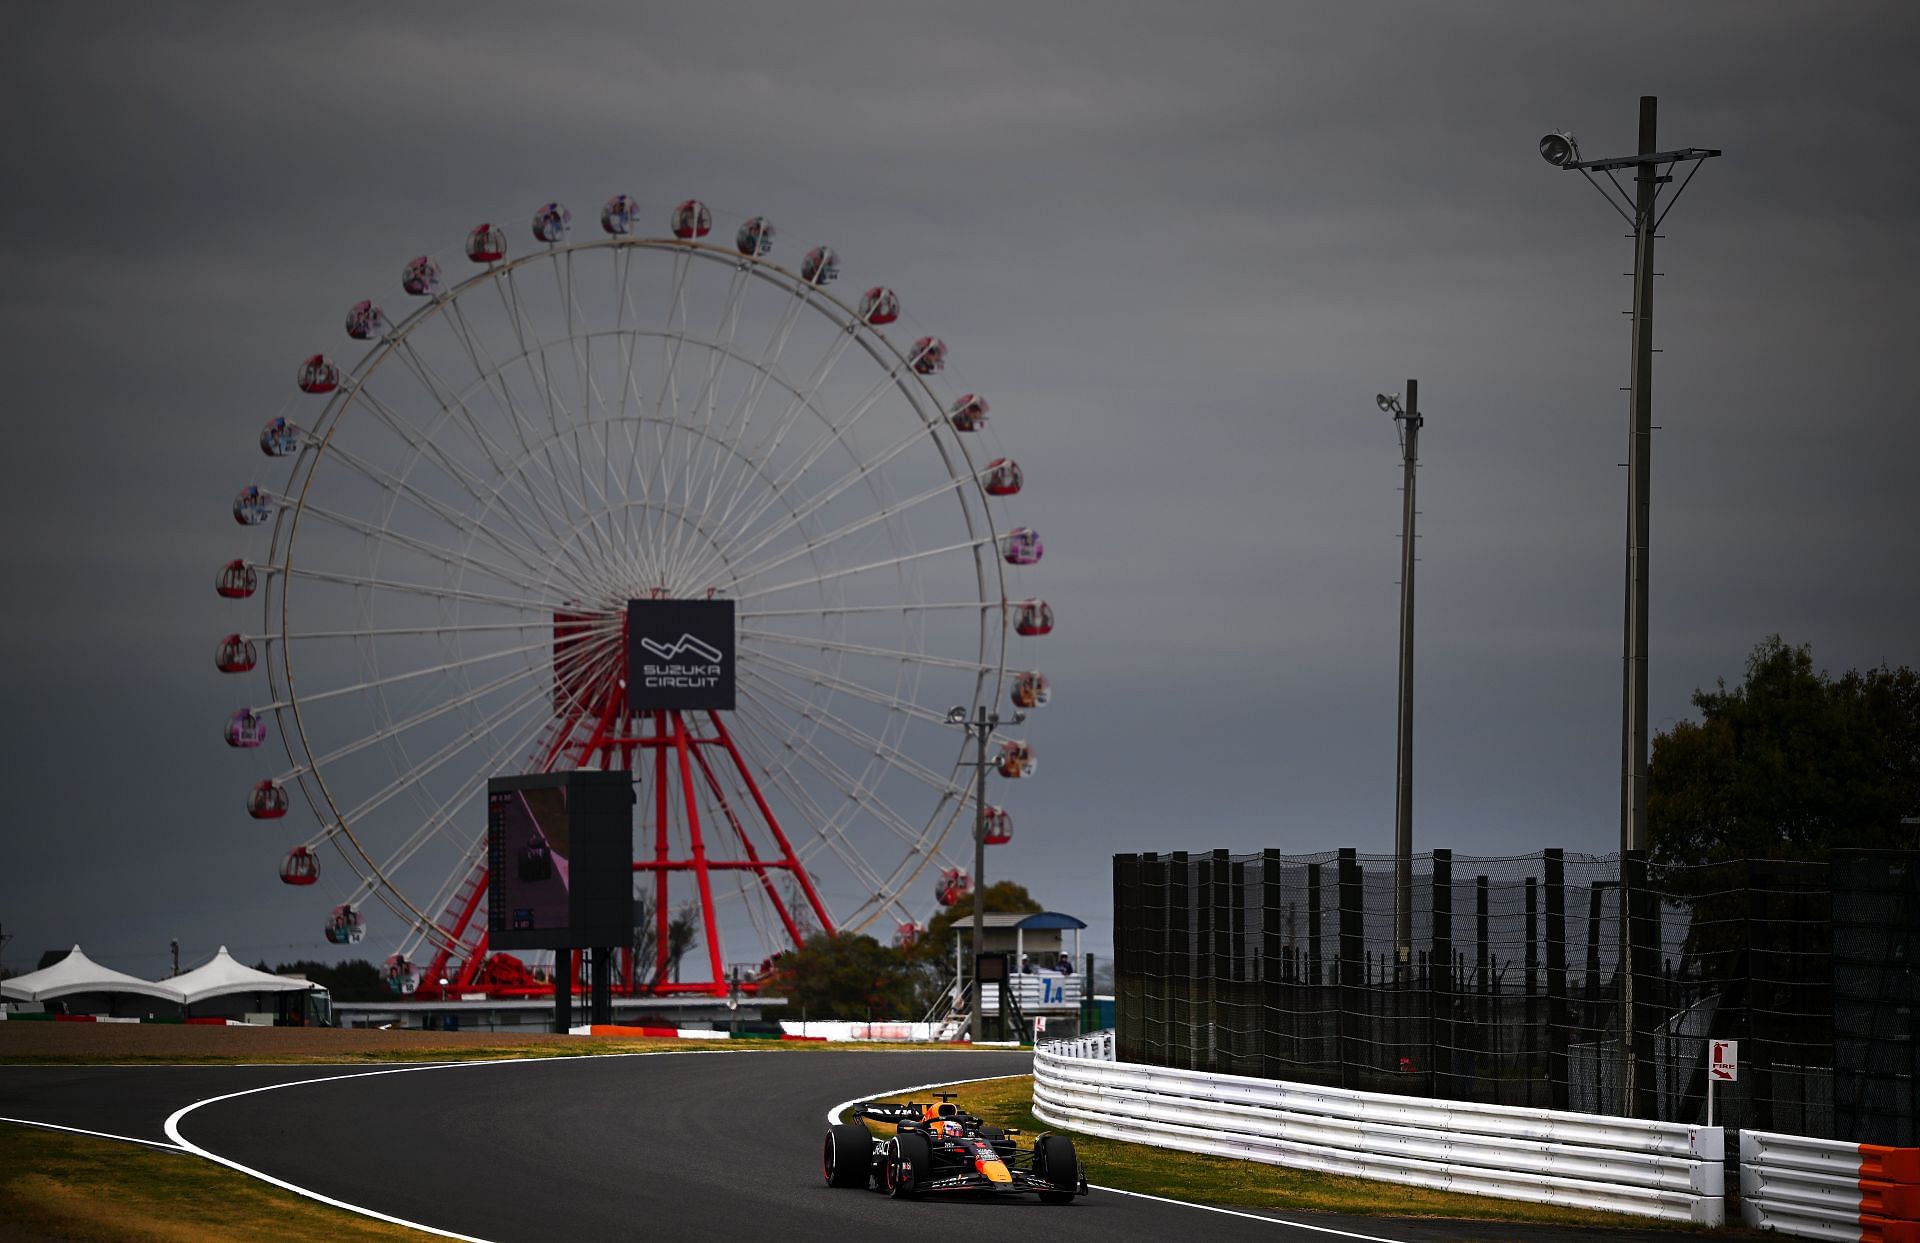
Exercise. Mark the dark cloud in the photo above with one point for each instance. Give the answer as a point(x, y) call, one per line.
point(1181, 250)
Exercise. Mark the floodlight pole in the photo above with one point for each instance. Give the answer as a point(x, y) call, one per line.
point(1648, 179)
point(1410, 422)
point(1407, 421)
point(1633, 767)
point(980, 728)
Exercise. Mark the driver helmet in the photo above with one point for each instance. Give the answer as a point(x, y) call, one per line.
point(952, 1129)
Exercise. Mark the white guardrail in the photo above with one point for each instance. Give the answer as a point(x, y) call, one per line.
point(1827, 1189)
point(1665, 1170)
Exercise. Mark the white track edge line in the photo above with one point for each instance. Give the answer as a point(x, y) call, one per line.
point(173, 1132)
point(1234, 1212)
point(125, 1139)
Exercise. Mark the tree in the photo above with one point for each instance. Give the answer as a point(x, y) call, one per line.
point(1000, 898)
point(931, 955)
point(846, 975)
point(1789, 764)
point(354, 979)
point(683, 933)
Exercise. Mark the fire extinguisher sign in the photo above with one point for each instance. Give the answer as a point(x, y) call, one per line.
point(1723, 1066)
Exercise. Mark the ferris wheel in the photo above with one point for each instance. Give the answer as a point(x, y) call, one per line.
point(546, 431)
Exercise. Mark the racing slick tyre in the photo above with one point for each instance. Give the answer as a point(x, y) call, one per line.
point(847, 1156)
point(908, 1158)
point(1055, 1161)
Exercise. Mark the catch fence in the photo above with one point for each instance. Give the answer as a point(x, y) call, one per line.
point(1512, 986)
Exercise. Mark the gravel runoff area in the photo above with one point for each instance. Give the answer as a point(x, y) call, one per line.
point(42, 1041)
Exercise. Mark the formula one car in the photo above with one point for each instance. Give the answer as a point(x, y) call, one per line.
point(937, 1150)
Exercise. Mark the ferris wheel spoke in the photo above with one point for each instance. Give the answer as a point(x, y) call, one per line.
point(704, 403)
point(732, 478)
point(490, 376)
point(858, 690)
point(426, 448)
point(529, 355)
point(885, 513)
point(892, 655)
point(430, 505)
point(387, 632)
point(580, 353)
point(887, 753)
point(797, 514)
point(666, 401)
point(397, 679)
point(884, 564)
point(394, 729)
point(836, 433)
point(433, 552)
point(829, 833)
point(800, 403)
point(428, 590)
point(443, 814)
point(425, 768)
point(454, 409)
point(905, 606)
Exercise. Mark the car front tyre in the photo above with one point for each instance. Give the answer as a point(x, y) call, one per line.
point(1055, 1161)
point(846, 1157)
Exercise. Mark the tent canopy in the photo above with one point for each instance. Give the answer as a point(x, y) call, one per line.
point(76, 973)
point(224, 976)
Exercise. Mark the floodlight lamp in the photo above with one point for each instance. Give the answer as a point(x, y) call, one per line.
point(1386, 402)
point(1019, 717)
point(1559, 149)
point(956, 716)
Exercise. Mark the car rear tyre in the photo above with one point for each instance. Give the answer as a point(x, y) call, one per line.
point(909, 1157)
point(1055, 1161)
point(847, 1156)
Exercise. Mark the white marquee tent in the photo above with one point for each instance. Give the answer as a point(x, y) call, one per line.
point(224, 976)
point(75, 974)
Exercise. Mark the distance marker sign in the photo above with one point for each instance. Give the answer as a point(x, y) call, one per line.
point(680, 655)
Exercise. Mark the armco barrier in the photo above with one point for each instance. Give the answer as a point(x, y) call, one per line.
point(1827, 1189)
point(1623, 1165)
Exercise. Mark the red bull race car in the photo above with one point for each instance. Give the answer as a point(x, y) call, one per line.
point(937, 1150)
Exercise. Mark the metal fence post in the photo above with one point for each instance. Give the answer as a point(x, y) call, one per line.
point(1352, 965)
point(1556, 868)
point(1441, 1005)
point(1641, 1015)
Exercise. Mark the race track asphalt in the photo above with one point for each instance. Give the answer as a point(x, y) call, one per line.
point(710, 1145)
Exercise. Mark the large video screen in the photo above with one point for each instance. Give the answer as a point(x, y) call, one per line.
point(680, 655)
point(560, 860)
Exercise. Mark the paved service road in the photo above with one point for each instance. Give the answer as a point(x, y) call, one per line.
point(710, 1145)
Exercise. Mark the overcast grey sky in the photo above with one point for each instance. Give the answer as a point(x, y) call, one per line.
point(1181, 245)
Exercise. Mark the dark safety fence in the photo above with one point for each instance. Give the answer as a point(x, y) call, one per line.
point(1509, 988)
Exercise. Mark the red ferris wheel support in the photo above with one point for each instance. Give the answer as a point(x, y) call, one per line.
point(692, 755)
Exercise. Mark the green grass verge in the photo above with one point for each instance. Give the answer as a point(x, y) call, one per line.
point(1253, 1184)
point(60, 1187)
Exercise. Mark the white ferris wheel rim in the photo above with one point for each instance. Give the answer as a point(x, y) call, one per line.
point(764, 724)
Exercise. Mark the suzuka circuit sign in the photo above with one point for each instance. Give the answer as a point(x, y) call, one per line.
point(680, 655)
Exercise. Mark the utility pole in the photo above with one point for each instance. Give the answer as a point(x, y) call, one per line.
point(1653, 170)
point(1633, 763)
point(1408, 421)
point(980, 728)
point(1403, 803)
point(174, 947)
point(980, 731)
